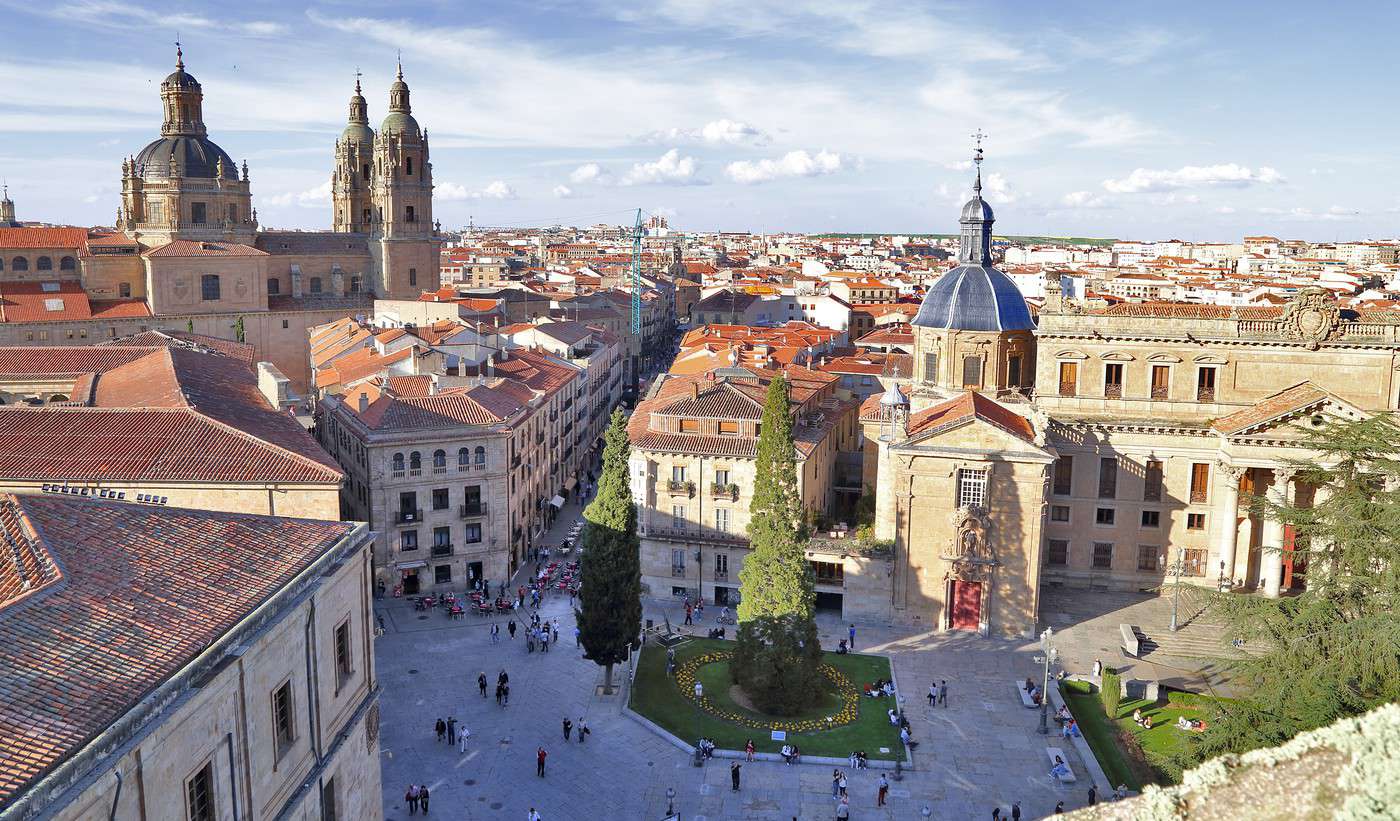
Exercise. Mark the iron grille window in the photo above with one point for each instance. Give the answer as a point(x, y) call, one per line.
point(1103, 555)
point(199, 794)
point(972, 488)
point(283, 721)
point(1057, 552)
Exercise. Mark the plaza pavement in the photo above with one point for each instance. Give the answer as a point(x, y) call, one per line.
point(979, 752)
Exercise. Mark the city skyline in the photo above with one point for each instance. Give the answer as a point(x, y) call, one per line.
point(815, 118)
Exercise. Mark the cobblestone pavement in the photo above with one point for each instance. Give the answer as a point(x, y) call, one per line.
point(979, 752)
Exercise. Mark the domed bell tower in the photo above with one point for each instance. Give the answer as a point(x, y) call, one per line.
point(406, 243)
point(352, 179)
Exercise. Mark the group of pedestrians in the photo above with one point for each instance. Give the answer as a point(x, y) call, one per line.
point(541, 632)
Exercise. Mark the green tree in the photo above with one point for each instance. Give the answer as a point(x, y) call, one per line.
point(776, 578)
point(610, 604)
point(238, 330)
point(1334, 650)
point(777, 660)
point(189, 325)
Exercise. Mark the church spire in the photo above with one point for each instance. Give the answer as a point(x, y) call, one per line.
point(975, 244)
point(977, 161)
point(398, 93)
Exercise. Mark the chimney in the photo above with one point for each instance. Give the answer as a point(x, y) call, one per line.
point(432, 384)
point(695, 390)
point(275, 387)
point(364, 401)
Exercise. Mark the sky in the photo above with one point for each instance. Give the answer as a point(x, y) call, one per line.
point(1139, 120)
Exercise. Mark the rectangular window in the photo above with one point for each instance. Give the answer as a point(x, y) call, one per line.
point(1193, 562)
point(1059, 513)
point(1200, 483)
point(199, 794)
point(1205, 385)
point(677, 473)
point(1108, 478)
point(197, 213)
point(1103, 555)
point(408, 167)
point(972, 372)
point(1069, 378)
point(1147, 558)
point(440, 500)
point(930, 367)
point(722, 478)
point(1113, 380)
point(1064, 475)
point(1195, 521)
point(690, 426)
point(722, 519)
point(1104, 516)
point(274, 286)
point(728, 428)
point(721, 565)
point(678, 517)
point(1161, 380)
point(442, 574)
point(328, 807)
point(283, 719)
point(408, 540)
point(1152, 481)
point(413, 277)
point(409, 214)
point(1013, 371)
point(344, 667)
point(972, 488)
point(473, 533)
point(1057, 552)
point(828, 572)
point(677, 561)
point(209, 287)
point(1151, 518)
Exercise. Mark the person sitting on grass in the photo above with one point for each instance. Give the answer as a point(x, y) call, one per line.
point(894, 719)
point(1137, 716)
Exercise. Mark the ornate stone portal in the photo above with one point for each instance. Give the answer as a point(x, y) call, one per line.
point(971, 571)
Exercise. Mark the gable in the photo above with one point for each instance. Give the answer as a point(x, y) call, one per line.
point(1303, 406)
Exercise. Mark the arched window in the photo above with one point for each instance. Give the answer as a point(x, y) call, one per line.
point(415, 461)
point(45, 264)
point(67, 264)
point(439, 459)
point(398, 463)
point(480, 455)
point(315, 285)
point(464, 457)
point(124, 290)
point(19, 264)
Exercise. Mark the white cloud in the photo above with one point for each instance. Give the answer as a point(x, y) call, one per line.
point(310, 198)
point(961, 165)
point(996, 189)
point(792, 164)
point(590, 172)
point(1225, 209)
point(716, 132)
point(496, 190)
point(1083, 199)
point(669, 168)
point(563, 192)
point(1193, 176)
point(1335, 213)
point(116, 15)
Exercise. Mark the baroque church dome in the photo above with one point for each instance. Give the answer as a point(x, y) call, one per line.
point(399, 120)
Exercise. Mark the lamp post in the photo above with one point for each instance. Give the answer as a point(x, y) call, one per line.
point(1049, 657)
point(670, 801)
point(1175, 570)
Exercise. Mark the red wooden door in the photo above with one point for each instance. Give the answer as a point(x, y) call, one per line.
point(1294, 564)
point(967, 605)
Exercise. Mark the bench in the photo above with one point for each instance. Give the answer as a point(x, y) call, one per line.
point(1056, 752)
point(1026, 700)
point(1131, 644)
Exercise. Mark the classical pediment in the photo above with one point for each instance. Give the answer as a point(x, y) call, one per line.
point(1290, 411)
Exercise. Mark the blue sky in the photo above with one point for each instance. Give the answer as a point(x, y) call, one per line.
point(1141, 120)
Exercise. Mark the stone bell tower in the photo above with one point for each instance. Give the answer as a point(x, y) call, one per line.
point(405, 240)
point(352, 179)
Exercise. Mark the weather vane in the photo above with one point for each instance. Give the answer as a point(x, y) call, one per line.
point(977, 149)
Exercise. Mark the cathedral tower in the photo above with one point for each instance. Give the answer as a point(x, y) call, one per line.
point(352, 178)
point(406, 244)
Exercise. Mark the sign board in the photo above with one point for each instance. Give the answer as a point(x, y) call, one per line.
point(780, 735)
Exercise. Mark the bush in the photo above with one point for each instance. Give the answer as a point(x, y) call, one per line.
point(777, 662)
point(1110, 692)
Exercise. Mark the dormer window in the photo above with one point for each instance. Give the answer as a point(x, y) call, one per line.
point(690, 426)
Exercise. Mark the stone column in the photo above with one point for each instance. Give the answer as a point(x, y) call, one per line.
point(1227, 500)
point(1271, 555)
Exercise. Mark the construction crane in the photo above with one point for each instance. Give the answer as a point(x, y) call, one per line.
point(637, 276)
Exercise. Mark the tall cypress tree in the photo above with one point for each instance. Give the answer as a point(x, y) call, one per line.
point(610, 604)
point(1334, 650)
point(776, 579)
point(777, 658)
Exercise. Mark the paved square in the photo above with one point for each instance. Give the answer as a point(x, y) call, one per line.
point(979, 752)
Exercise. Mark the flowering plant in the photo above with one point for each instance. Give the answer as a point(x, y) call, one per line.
point(845, 689)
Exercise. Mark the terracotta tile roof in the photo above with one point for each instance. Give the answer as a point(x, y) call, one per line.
point(477, 405)
point(895, 334)
point(38, 238)
point(1286, 401)
point(104, 239)
point(50, 301)
point(967, 406)
point(183, 339)
point(540, 371)
point(143, 592)
point(158, 413)
point(193, 248)
point(119, 308)
point(718, 400)
point(362, 303)
point(359, 364)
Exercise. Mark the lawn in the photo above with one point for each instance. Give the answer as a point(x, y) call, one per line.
point(656, 696)
point(1157, 745)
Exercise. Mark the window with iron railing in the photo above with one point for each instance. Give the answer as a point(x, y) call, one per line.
point(1205, 385)
point(1069, 378)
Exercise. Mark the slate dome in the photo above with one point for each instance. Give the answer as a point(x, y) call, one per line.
point(194, 157)
point(974, 298)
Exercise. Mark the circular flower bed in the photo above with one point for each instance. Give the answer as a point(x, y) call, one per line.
point(845, 690)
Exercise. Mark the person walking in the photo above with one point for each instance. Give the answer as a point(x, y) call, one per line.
point(1059, 808)
point(687, 614)
point(1015, 811)
point(843, 809)
point(835, 784)
point(996, 813)
point(841, 785)
point(510, 628)
point(933, 694)
point(500, 690)
point(568, 727)
point(583, 730)
point(423, 797)
point(851, 638)
point(943, 693)
point(884, 791)
point(462, 734)
point(734, 776)
point(451, 730)
point(540, 755)
point(576, 632)
point(441, 728)
point(748, 750)
point(1093, 795)
point(505, 694)
point(533, 816)
point(411, 797)
point(481, 683)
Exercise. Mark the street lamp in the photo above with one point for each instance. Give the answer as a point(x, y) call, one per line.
point(1175, 570)
point(670, 800)
point(1049, 657)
